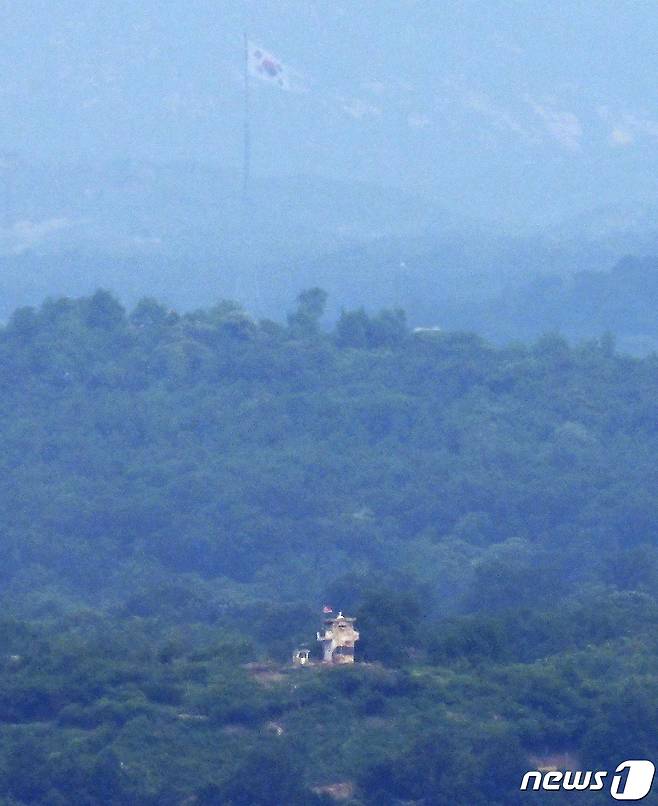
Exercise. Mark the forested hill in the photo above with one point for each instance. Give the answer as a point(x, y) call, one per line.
point(581, 305)
point(489, 514)
point(266, 460)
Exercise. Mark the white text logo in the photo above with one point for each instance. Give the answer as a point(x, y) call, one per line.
point(632, 780)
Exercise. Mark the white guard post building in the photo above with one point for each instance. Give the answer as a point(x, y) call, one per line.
point(338, 639)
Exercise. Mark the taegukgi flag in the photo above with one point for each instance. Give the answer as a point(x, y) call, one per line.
point(264, 65)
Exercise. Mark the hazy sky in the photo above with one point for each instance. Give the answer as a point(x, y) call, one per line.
point(523, 108)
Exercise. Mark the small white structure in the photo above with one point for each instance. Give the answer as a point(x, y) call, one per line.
point(300, 657)
point(423, 331)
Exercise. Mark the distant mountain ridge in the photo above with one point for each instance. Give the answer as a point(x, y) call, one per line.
point(182, 208)
point(183, 232)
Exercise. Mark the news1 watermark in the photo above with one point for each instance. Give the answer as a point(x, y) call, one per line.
point(631, 780)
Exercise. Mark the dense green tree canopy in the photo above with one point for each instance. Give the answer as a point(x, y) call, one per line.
point(179, 495)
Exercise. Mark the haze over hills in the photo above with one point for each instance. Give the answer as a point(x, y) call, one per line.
point(185, 232)
point(181, 231)
point(404, 366)
point(431, 156)
point(516, 112)
point(183, 208)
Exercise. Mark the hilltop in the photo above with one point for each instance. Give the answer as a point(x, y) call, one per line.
point(180, 493)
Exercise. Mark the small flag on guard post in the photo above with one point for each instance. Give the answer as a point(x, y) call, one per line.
point(327, 609)
point(267, 67)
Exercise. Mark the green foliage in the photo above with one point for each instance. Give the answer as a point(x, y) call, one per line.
point(180, 493)
point(310, 307)
point(356, 329)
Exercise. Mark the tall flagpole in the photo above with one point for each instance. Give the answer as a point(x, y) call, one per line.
point(246, 178)
point(246, 165)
